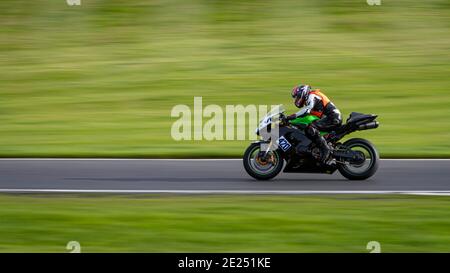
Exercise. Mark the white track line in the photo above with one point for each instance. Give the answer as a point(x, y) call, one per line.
point(255, 192)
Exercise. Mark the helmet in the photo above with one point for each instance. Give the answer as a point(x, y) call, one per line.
point(300, 93)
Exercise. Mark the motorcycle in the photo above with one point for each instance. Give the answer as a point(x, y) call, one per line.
point(285, 141)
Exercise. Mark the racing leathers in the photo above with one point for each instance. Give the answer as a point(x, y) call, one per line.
point(319, 105)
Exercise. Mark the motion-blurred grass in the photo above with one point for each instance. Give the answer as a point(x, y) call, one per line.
point(149, 223)
point(100, 79)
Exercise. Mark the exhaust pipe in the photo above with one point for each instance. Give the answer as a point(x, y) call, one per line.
point(367, 126)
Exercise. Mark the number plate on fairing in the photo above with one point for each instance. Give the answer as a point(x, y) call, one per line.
point(284, 144)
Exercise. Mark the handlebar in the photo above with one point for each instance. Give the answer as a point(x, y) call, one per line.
point(283, 119)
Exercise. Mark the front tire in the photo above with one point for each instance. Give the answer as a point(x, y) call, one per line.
point(364, 170)
point(259, 169)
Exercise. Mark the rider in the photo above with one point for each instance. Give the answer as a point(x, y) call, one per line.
point(314, 102)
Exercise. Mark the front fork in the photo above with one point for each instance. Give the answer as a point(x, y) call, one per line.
point(263, 153)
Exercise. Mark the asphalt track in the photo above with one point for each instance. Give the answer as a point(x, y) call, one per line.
point(208, 176)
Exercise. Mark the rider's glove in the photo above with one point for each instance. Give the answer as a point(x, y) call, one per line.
point(291, 117)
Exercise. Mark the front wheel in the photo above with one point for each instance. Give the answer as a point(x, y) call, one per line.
point(259, 167)
point(368, 166)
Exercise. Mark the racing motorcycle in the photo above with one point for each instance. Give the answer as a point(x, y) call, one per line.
point(285, 141)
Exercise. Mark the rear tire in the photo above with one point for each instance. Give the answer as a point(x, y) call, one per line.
point(251, 167)
point(350, 174)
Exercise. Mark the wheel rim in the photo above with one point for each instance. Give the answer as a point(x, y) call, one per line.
point(369, 159)
point(260, 166)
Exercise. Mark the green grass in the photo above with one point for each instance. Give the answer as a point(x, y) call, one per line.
point(101, 79)
point(155, 223)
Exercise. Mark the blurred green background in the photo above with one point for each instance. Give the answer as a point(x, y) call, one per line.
point(233, 223)
point(101, 79)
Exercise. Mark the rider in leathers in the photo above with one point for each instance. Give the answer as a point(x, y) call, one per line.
point(314, 102)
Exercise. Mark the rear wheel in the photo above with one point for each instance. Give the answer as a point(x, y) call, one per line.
point(259, 167)
point(364, 168)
